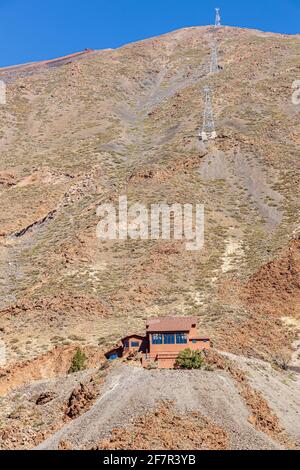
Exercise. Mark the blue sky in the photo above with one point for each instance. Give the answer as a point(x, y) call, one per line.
point(40, 29)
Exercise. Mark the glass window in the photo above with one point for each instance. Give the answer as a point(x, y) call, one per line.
point(135, 344)
point(157, 338)
point(113, 357)
point(194, 341)
point(181, 338)
point(169, 338)
point(126, 344)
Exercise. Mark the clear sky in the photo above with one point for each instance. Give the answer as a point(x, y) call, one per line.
point(33, 30)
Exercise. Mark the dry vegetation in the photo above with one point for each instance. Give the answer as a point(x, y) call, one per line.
point(125, 121)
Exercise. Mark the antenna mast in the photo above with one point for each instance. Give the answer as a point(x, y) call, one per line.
point(208, 128)
point(218, 18)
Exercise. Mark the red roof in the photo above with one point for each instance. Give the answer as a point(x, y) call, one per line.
point(170, 324)
point(133, 336)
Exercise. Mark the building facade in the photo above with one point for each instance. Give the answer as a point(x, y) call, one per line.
point(165, 338)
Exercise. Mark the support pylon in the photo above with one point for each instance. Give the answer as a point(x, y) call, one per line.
point(208, 129)
point(214, 66)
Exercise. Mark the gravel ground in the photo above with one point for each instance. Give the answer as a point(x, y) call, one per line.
point(131, 391)
point(281, 390)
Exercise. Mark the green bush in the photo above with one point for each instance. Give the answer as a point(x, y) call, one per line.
point(78, 362)
point(188, 359)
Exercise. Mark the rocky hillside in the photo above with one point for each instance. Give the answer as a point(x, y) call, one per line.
point(75, 134)
point(234, 403)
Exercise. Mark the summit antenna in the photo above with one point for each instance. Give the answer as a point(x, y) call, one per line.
point(218, 18)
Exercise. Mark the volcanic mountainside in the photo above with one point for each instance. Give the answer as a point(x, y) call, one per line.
point(86, 129)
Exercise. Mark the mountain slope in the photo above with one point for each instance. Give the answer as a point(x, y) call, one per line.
point(125, 122)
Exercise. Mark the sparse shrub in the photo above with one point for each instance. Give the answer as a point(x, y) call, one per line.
point(209, 368)
point(151, 366)
point(188, 359)
point(78, 362)
point(281, 362)
point(104, 366)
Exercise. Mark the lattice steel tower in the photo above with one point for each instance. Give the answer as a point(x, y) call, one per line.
point(218, 18)
point(208, 129)
point(214, 66)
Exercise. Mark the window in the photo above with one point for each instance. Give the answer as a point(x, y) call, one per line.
point(113, 357)
point(194, 341)
point(135, 344)
point(181, 338)
point(126, 344)
point(157, 338)
point(169, 338)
